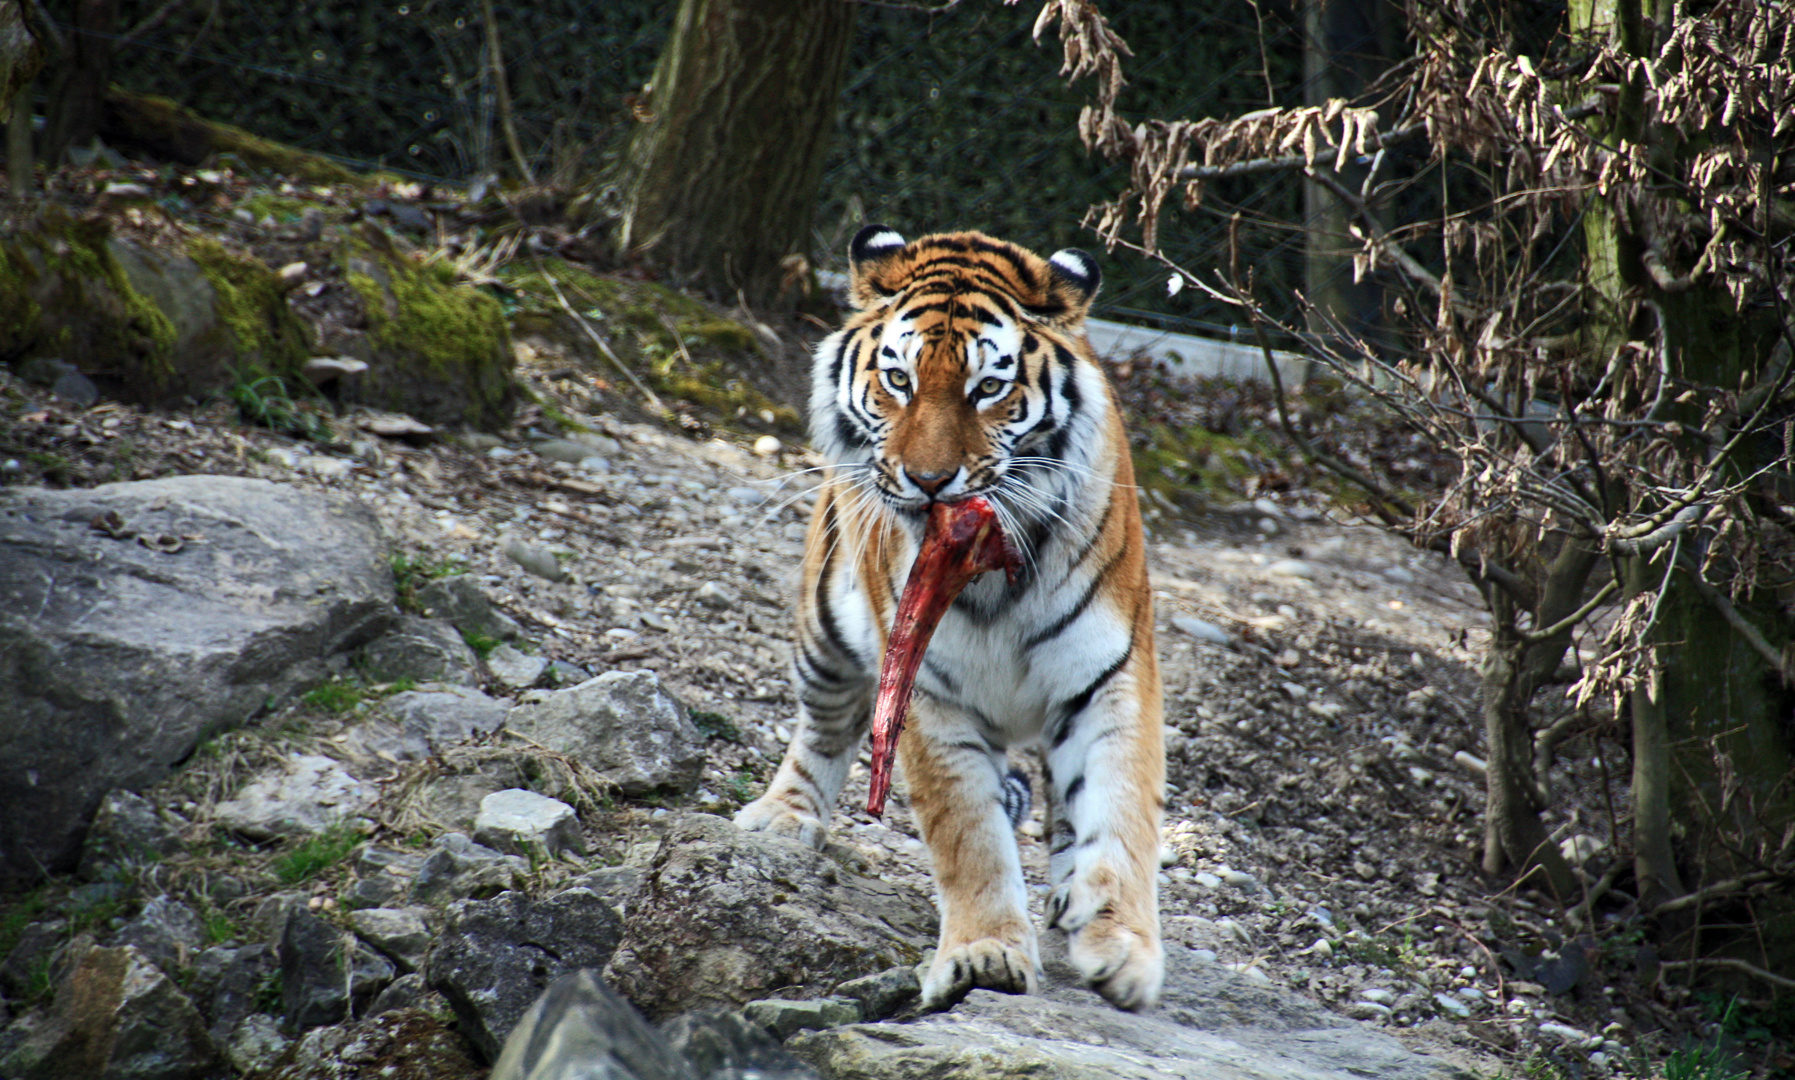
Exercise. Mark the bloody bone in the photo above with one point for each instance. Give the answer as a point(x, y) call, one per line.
point(961, 541)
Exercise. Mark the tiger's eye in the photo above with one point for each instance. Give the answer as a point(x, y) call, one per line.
point(990, 385)
point(899, 379)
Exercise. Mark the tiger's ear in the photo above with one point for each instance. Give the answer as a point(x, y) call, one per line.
point(869, 264)
point(1074, 284)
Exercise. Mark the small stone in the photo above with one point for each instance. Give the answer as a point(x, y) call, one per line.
point(406, 992)
point(1289, 658)
point(400, 933)
point(256, 1043)
point(1397, 575)
point(1202, 630)
point(716, 596)
point(292, 273)
point(1294, 568)
point(1452, 1006)
point(1268, 526)
point(566, 450)
point(461, 868)
point(306, 796)
point(534, 558)
point(1206, 956)
point(1208, 880)
point(882, 993)
point(515, 669)
point(1367, 1010)
point(1240, 879)
point(1469, 993)
point(522, 822)
point(1564, 1033)
point(767, 446)
point(1378, 994)
point(1322, 948)
point(786, 1018)
point(747, 496)
point(321, 370)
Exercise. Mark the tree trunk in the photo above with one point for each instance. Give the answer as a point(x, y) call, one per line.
point(78, 91)
point(720, 181)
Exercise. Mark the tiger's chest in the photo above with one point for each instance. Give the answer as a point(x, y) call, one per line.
point(1011, 656)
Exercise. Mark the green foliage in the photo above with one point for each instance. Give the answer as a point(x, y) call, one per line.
point(265, 402)
point(413, 572)
point(743, 784)
point(336, 696)
point(316, 854)
point(716, 726)
point(1702, 1062)
point(21, 913)
point(480, 643)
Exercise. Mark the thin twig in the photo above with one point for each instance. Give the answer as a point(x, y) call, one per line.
point(1538, 637)
point(1733, 964)
point(1718, 890)
point(653, 401)
point(1752, 635)
point(506, 119)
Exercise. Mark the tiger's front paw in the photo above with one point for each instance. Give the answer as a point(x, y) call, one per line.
point(990, 963)
point(1124, 964)
point(774, 815)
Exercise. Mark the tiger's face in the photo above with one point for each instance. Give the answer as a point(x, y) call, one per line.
point(959, 363)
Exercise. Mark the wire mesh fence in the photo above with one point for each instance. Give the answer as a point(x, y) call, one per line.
point(954, 118)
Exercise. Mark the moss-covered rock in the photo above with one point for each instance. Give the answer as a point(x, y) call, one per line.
point(675, 344)
point(436, 348)
point(147, 324)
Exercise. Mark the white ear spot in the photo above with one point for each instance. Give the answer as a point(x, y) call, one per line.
point(1078, 266)
point(873, 242)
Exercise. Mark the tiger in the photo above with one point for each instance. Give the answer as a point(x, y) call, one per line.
point(963, 370)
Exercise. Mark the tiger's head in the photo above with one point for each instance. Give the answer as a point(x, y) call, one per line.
point(964, 361)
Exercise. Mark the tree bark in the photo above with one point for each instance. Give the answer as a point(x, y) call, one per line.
point(719, 182)
point(78, 91)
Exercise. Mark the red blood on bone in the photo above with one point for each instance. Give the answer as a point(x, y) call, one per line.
point(960, 541)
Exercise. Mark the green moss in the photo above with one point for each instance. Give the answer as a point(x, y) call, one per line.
point(282, 208)
point(180, 126)
point(449, 335)
point(251, 305)
point(1191, 465)
point(679, 347)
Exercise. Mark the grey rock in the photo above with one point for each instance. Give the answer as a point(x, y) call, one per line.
point(563, 450)
point(236, 982)
point(408, 991)
point(452, 798)
point(722, 1044)
point(515, 669)
point(460, 599)
point(458, 868)
point(521, 822)
point(618, 885)
point(167, 931)
point(414, 724)
point(1203, 630)
point(29, 953)
point(116, 659)
point(256, 1044)
point(116, 1016)
point(1294, 568)
point(495, 956)
point(786, 1018)
point(726, 917)
point(882, 993)
point(325, 972)
point(304, 796)
point(716, 596)
point(534, 558)
point(562, 673)
point(422, 650)
point(127, 828)
point(402, 934)
point(402, 1044)
point(621, 724)
point(579, 1029)
point(1210, 1023)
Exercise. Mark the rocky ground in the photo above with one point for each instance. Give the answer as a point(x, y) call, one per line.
point(1323, 821)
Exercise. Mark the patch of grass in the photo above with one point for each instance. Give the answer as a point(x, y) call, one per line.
point(336, 696)
point(480, 643)
point(742, 785)
point(413, 572)
point(1706, 1061)
point(20, 914)
point(716, 726)
point(316, 854)
point(270, 993)
point(266, 402)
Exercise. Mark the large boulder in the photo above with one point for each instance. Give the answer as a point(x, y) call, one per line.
point(1211, 1023)
point(117, 658)
point(725, 917)
point(148, 323)
point(116, 1016)
point(623, 725)
point(495, 956)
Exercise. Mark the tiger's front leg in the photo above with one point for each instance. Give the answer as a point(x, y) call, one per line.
point(955, 779)
point(1107, 778)
point(832, 725)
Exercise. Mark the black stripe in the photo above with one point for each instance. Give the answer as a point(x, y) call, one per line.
point(948, 682)
point(967, 744)
point(1068, 387)
point(1078, 702)
point(1072, 789)
point(1059, 625)
point(818, 671)
point(849, 434)
point(1097, 534)
point(825, 614)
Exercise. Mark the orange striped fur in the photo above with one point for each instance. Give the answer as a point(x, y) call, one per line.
point(965, 371)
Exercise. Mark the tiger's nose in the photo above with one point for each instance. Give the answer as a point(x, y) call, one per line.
point(930, 482)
